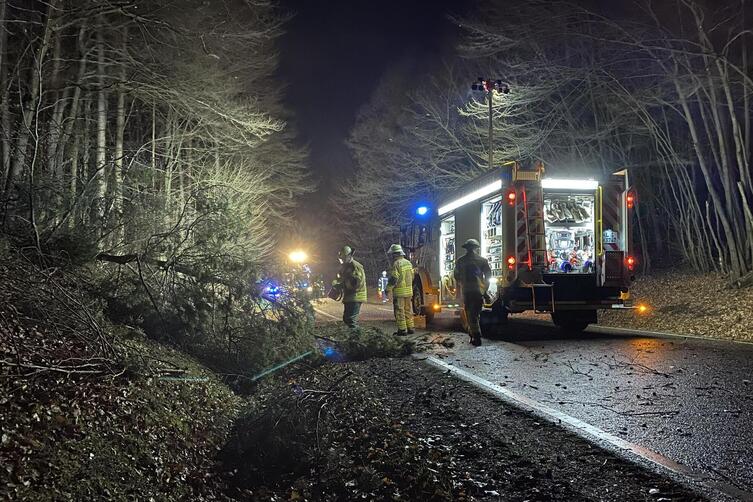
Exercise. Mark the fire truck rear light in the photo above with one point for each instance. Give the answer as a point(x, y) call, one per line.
point(436, 307)
point(511, 198)
point(630, 199)
point(630, 262)
point(511, 262)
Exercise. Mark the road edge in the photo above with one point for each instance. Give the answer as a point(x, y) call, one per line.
point(715, 489)
point(605, 329)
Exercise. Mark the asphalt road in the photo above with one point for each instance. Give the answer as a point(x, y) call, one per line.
point(690, 400)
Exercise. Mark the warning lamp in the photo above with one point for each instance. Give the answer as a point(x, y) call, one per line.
point(630, 199)
point(436, 307)
point(630, 262)
point(511, 262)
point(511, 197)
point(642, 309)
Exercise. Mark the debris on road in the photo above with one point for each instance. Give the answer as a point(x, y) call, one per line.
point(396, 429)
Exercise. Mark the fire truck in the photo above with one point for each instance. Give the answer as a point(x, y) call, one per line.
point(555, 245)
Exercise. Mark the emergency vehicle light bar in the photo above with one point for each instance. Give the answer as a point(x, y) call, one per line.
point(488, 189)
point(569, 184)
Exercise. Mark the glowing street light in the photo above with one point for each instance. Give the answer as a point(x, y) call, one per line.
point(298, 256)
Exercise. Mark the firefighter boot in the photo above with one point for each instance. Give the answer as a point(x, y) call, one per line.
point(476, 340)
point(400, 332)
point(410, 331)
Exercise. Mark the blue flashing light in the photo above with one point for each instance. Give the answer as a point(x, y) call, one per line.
point(329, 352)
point(422, 210)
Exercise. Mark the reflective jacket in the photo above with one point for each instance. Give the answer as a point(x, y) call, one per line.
point(353, 280)
point(472, 271)
point(401, 278)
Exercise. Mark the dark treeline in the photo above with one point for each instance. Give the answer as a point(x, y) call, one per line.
point(663, 89)
point(145, 140)
point(129, 120)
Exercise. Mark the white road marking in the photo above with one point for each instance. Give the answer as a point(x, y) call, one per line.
point(589, 432)
point(325, 313)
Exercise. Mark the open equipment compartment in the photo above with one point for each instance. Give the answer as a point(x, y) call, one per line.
point(492, 244)
point(570, 231)
point(447, 256)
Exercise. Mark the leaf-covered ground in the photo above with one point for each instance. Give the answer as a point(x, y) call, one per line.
point(92, 411)
point(152, 435)
point(689, 304)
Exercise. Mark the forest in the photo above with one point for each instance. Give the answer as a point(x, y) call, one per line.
point(147, 162)
point(154, 176)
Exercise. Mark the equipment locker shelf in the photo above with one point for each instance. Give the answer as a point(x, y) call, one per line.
point(447, 257)
point(569, 222)
point(492, 247)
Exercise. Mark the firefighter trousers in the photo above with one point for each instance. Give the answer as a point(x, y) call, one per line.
point(403, 308)
point(473, 301)
point(350, 313)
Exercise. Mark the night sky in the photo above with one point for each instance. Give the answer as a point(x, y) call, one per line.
point(332, 57)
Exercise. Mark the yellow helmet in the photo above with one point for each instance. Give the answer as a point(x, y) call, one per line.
point(396, 249)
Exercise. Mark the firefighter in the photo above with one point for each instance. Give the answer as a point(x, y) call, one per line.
point(401, 283)
point(472, 273)
point(383, 280)
point(352, 281)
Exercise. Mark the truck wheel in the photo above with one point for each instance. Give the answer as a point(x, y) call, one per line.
point(418, 298)
point(418, 303)
point(573, 322)
point(500, 311)
point(573, 328)
point(494, 321)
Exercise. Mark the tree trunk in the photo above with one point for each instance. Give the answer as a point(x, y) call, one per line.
point(101, 157)
point(85, 170)
point(55, 123)
point(154, 146)
point(4, 95)
point(30, 107)
point(75, 101)
point(117, 191)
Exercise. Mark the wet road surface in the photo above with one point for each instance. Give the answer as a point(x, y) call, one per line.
point(688, 399)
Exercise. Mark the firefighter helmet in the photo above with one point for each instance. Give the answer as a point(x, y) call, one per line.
point(396, 249)
point(471, 243)
point(345, 251)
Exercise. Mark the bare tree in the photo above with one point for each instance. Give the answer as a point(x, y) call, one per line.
point(665, 93)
